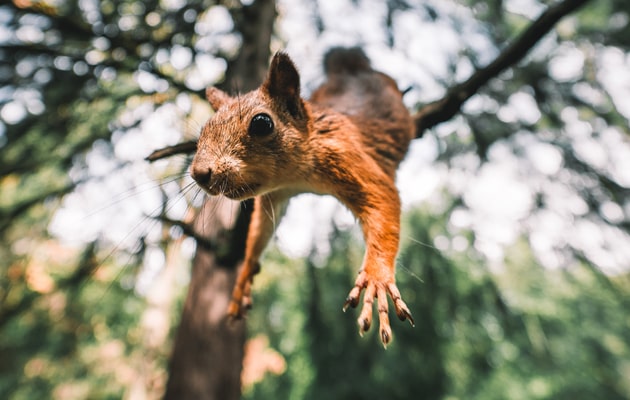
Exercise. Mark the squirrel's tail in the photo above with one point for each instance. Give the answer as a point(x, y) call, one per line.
point(342, 60)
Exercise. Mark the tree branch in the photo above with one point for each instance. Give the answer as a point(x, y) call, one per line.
point(444, 109)
point(180, 148)
point(189, 230)
point(8, 214)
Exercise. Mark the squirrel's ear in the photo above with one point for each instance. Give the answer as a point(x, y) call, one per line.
point(216, 97)
point(283, 83)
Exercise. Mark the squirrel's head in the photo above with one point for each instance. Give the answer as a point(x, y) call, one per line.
point(249, 146)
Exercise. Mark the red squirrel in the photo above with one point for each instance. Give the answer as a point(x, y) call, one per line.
point(346, 141)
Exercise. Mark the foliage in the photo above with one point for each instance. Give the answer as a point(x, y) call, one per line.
point(67, 334)
point(525, 332)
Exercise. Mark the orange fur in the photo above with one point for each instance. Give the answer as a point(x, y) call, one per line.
point(347, 141)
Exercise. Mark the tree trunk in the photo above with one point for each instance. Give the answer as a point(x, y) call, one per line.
point(208, 351)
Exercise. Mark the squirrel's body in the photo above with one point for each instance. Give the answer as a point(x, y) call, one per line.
point(347, 141)
point(372, 102)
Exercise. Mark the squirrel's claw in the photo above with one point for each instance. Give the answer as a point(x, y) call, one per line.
point(237, 309)
point(402, 311)
point(379, 291)
point(353, 297)
point(241, 301)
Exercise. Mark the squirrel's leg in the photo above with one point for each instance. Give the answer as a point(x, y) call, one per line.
point(380, 220)
point(268, 210)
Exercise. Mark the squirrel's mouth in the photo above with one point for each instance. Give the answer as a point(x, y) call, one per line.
point(232, 189)
point(242, 192)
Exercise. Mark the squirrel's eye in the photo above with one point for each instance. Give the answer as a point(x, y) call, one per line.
point(261, 125)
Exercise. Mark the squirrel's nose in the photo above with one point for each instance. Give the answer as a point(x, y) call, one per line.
point(201, 174)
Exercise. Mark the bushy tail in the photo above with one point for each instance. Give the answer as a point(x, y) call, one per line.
point(342, 60)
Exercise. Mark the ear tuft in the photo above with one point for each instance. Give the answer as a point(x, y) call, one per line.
point(283, 84)
point(283, 80)
point(216, 97)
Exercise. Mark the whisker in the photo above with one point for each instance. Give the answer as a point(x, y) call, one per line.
point(271, 212)
point(210, 207)
point(134, 250)
point(147, 223)
point(132, 192)
point(430, 246)
point(182, 196)
point(199, 191)
point(410, 272)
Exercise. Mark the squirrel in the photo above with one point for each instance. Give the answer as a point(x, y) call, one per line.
point(346, 141)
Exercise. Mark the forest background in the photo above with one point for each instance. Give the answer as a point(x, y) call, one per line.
point(114, 270)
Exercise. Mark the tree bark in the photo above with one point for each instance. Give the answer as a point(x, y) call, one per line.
point(208, 351)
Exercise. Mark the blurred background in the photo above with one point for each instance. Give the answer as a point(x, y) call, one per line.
point(515, 254)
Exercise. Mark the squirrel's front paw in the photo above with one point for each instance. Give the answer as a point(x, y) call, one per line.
point(379, 290)
point(241, 300)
